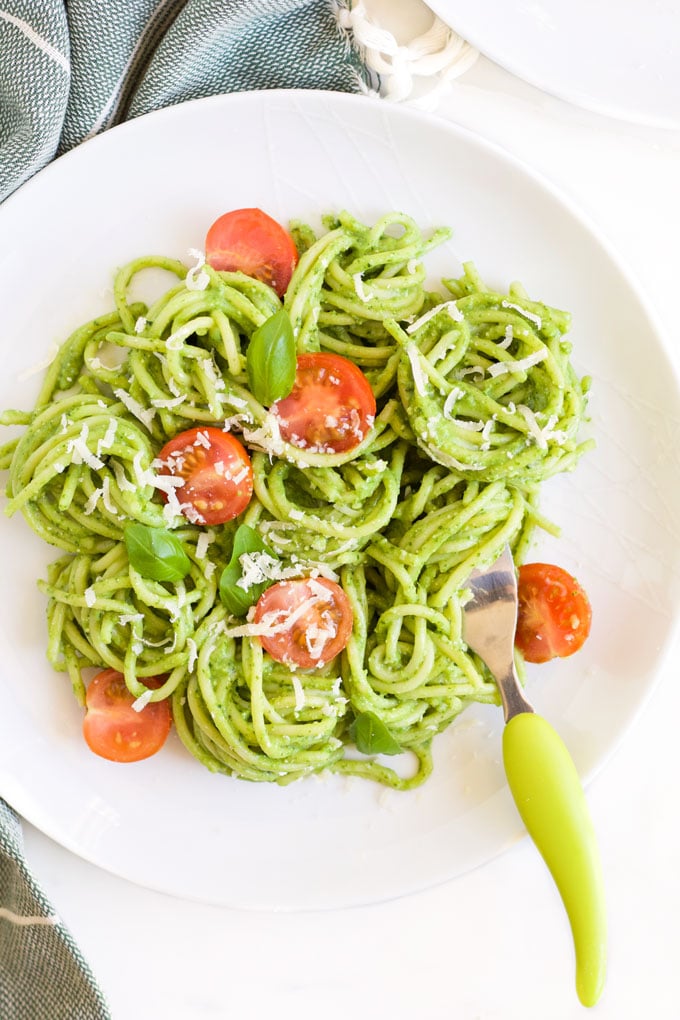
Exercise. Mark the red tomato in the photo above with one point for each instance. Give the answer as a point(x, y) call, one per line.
point(554, 613)
point(331, 407)
point(253, 243)
point(113, 729)
point(310, 620)
point(217, 472)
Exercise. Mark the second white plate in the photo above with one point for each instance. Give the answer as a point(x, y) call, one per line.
point(620, 58)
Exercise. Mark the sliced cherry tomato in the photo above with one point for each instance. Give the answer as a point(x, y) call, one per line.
point(217, 472)
point(113, 729)
point(331, 407)
point(309, 621)
point(554, 613)
point(251, 242)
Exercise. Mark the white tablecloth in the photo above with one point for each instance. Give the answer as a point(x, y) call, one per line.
point(494, 944)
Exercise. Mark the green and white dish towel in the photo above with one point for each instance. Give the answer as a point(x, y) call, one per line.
point(69, 70)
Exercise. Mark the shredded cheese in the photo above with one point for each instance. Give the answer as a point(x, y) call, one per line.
point(521, 365)
point(359, 287)
point(267, 437)
point(135, 408)
point(542, 435)
point(123, 483)
point(455, 395)
point(81, 453)
point(419, 380)
point(299, 692)
point(450, 307)
point(197, 278)
point(173, 402)
point(536, 319)
point(143, 700)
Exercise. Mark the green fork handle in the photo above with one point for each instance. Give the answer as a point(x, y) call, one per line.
point(550, 799)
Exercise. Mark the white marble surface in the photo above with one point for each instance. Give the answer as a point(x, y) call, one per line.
point(494, 944)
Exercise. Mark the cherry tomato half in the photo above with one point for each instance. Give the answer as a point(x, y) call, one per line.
point(331, 407)
point(217, 472)
point(310, 620)
point(113, 729)
point(251, 242)
point(554, 613)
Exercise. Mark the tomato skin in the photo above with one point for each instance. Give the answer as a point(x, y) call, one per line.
point(304, 643)
point(113, 729)
point(554, 615)
point(217, 471)
point(251, 242)
point(331, 408)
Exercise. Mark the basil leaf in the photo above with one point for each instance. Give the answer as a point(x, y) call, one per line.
point(156, 553)
point(235, 597)
point(271, 359)
point(371, 736)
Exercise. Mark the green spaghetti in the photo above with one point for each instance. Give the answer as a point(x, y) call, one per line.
point(476, 405)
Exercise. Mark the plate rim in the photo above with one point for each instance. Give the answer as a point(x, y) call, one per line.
point(575, 212)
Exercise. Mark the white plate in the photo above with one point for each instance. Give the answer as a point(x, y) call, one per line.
point(154, 185)
point(616, 57)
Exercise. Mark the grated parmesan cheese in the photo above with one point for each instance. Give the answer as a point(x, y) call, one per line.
point(419, 380)
point(107, 440)
point(299, 692)
point(197, 278)
point(450, 307)
point(267, 437)
point(202, 543)
point(536, 319)
point(81, 452)
point(135, 408)
point(123, 483)
point(357, 279)
point(541, 434)
point(193, 654)
point(508, 338)
point(92, 502)
point(455, 394)
point(471, 426)
point(173, 402)
point(521, 365)
point(257, 567)
point(126, 618)
point(143, 700)
point(275, 622)
point(106, 496)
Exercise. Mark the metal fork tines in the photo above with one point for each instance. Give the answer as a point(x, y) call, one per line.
point(489, 622)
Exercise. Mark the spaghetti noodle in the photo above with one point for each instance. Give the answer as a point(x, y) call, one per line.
point(477, 404)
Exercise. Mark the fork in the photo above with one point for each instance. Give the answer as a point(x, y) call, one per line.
point(541, 775)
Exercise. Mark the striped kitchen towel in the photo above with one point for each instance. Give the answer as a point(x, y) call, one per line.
point(68, 70)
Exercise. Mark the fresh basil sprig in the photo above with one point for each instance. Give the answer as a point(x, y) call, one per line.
point(235, 597)
point(371, 736)
point(156, 553)
point(271, 359)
